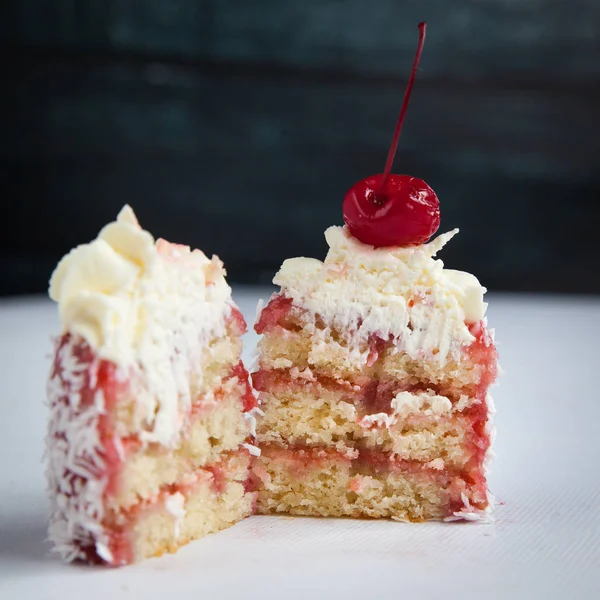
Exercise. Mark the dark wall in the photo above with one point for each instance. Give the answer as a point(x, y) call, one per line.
point(238, 127)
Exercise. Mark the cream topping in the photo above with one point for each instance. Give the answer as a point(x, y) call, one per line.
point(425, 403)
point(403, 293)
point(404, 404)
point(144, 305)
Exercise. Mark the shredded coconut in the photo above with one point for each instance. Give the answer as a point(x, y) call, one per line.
point(250, 417)
point(75, 471)
point(174, 503)
point(399, 519)
point(254, 450)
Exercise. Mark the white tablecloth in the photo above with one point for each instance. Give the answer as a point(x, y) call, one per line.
point(544, 543)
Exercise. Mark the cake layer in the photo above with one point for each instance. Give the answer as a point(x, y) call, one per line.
point(217, 428)
point(326, 483)
point(370, 394)
point(419, 426)
point(293, 337)
point(211, 499)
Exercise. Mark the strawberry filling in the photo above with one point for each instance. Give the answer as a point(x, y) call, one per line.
point(249, 399)
point(371, 394)
point(277, 312)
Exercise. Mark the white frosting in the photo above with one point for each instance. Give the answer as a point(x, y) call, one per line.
point(424, 403)
point(404, 404)
point(75, 457)
point(252, 449)
point(250, 417)
point(174, 503)
point(144, 306)
point(403, 293)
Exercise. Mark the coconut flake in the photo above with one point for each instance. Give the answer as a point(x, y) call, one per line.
point(174, 503)
point(75, 470)
point(254, 450)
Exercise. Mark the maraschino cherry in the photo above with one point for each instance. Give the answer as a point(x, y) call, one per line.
point(393, 210)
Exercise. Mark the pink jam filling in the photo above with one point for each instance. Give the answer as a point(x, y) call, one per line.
point(237, 320)
point(275, 313)
point(482, 351)
point(249, 399)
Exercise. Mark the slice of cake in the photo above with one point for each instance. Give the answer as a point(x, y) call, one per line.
point(374, 369)
point(149, 438)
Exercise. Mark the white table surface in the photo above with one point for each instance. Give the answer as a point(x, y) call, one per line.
point(544, 543)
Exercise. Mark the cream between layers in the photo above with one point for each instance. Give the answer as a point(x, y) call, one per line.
point(123, 295)
point(403, 293)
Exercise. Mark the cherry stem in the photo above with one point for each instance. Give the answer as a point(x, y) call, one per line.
point(409, 87)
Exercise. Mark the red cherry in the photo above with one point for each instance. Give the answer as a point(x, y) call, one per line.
point(393, 210)
point(407, 214)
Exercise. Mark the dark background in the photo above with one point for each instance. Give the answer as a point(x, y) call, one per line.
point(237, 126)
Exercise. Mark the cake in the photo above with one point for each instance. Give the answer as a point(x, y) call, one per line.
point(151, 411)
point(375, 365)
point(373, 376)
